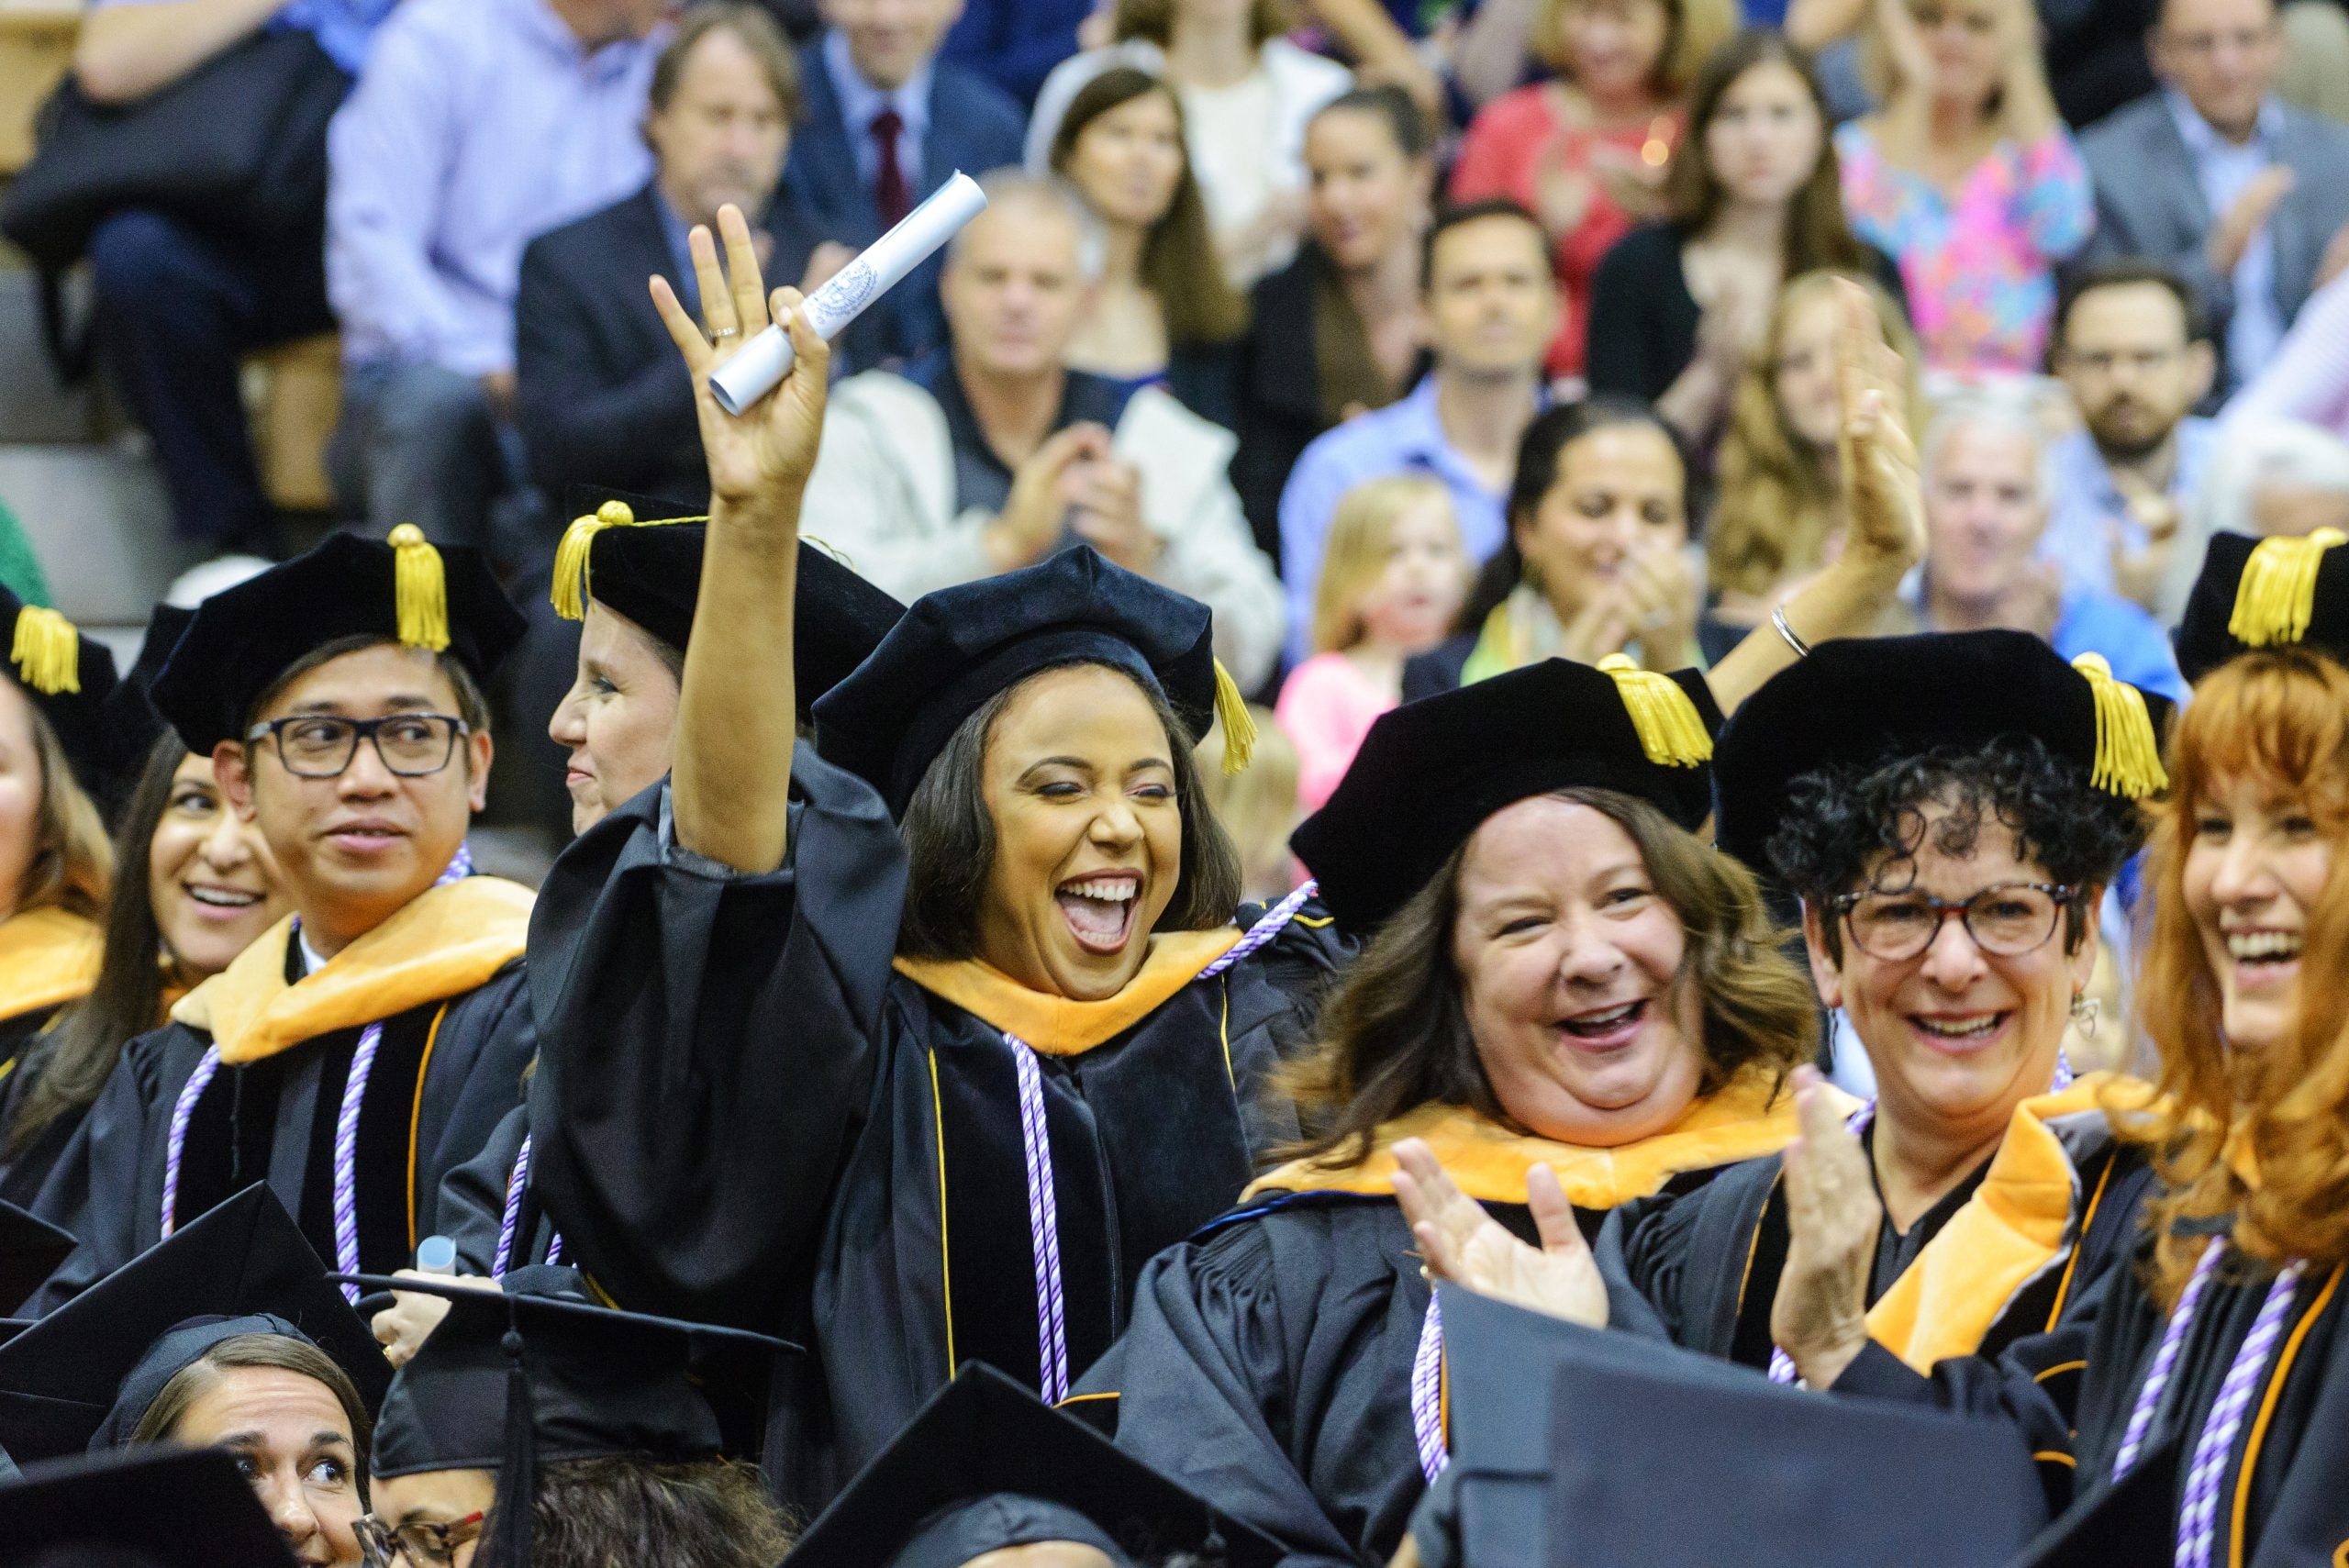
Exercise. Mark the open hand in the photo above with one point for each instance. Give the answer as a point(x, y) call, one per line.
point(1884, 495)
point(1460, 1242)
point(1904, 45)
point(759, 462)
point(1820, 1316)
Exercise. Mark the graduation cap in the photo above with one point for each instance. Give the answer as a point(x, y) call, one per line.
point(986, 1464)
point(2264, 593)
point(157, 1507)
point(1604, 1450)
point(83, 1377)
point(69, 678)
point(408, 590)
point(649, 569)
point(958, 647)
point(1430, 772)
point(1861, 702)
point(30, 1249)
point(537, 1371)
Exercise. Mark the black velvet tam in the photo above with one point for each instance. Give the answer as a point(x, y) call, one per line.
point(958, 647)
point(83, 1377)
point(1864, 701)
point(244, 639)
point(83, 718)
point(2203, 640)
point(987, 1464)
point(1430, 772)
point(651, 574)
point(158, 1507)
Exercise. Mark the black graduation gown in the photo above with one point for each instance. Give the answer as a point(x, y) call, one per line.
point(444, 1074)
point(48, 960)
point(1708, 1261)
point(745, 1116)
point(25, 1045)
point(2284, 1491)
point(1268, 1366)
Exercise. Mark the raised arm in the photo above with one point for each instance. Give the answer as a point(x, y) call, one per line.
point(1883, 496)
point(127, 52)
point(735, 718)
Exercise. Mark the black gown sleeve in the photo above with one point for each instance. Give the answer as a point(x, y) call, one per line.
point(709, 1043)
point(472, 1204)
point(476, 1086)
point(95, 1187)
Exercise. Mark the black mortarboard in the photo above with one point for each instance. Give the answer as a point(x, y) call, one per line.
point(2258, 593)
point(82, 1376)
point(958, 647)
point(133, 725)
point(986, 1464)
point(408, 591)
point(2128, 1524)
point(1430, 772)
point(1604, 1450)
point(69, 678)
point(30, 1249)
point(537, 1371)
point(156, 1507)
point(1860, 702)
point(649, 570)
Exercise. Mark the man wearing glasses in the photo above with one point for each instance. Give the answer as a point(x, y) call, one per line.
point(1946, 809)
point(355, 1054)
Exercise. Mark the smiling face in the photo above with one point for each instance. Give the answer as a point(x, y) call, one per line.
point(2128, 365)
point(1127, 161)
point(210, 876)
point(1958, 1035)
point(619, 719)
point(1367, 198)
point(437, 1497)
point(1765, 135)
point(290, 1437)
point(353, 850)
point(1078, 783)
point(2256, 863)
point(1614, 48)
point(1620, 491)
point(1417, 597)
point(1569, 964)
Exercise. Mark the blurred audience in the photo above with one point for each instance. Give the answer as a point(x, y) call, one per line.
point(1016, 43)
point(1247, 94)
point(601, 396)
point(2094, 50)
point(2315, 77)
point(1161, 314)
point(2131, 348)
point(476, 126)
point(2216, 178)
point(2271, 478)
point(990, 455)
point(1989, 484)
point(888, 123)
point(1586, 152)
point(1393, 580)
point(1967, 176)
point(176, 309)
point(1677, 306)
point(1491, 307)
point(2309, 377)
point(1778, 518)
point(1336, 332)
point(1257, 806)
point(1596, 560)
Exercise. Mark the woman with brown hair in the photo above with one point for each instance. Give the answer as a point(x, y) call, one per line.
point(1586, 153)
point(1162, 313)
point(1750, 201)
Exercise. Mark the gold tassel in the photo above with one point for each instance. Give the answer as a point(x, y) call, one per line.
point(47, 652)
point(2277, 592)
point(1238, 727)
point(570, 592)
point(1670, 731)
point(2128, 754)
point(420, 589)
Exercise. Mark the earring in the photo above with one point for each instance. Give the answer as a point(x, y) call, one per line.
point(2086, 1012)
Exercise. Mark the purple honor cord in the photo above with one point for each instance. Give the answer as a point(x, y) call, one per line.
point(1427, 1393)
point(1782, 1366)
point(346, 1125)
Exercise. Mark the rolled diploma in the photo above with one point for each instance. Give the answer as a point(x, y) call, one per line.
point(766, 358)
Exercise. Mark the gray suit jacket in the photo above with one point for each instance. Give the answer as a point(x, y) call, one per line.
point(2149, 203)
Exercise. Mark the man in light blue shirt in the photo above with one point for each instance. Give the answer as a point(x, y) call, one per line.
point(2132, 347)
point(1492, 306)
point(477, 125)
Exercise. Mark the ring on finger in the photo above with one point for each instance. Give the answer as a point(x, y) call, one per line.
point(720, 334)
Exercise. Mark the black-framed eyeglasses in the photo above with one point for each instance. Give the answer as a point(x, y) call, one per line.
point(2008, 919)
point(321, 745)
point(420, 1544)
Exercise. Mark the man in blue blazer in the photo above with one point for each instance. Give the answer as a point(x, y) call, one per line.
point(887, 122)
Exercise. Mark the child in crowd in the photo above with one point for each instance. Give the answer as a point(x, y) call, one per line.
point(1392, 583)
